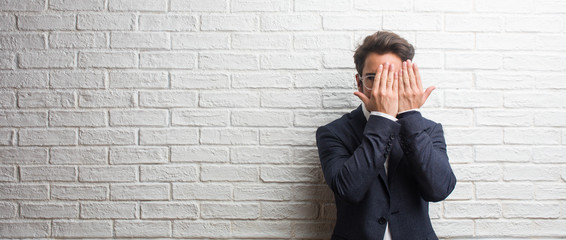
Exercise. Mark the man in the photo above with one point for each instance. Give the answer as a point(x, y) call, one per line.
point(384, 161)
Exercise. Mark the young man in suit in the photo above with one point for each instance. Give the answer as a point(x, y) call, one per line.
point(384, 161)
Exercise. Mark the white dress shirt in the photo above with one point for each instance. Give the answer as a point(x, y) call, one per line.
point(387, 235)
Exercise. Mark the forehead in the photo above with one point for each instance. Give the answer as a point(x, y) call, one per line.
point(373, 60)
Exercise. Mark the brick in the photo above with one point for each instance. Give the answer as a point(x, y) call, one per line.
point(29, 79)
point(169, 210)
point(468, 210)
point(22, 41)
point(260, 5)
point(367, 21)
point(402, 5)
point(7, 174)
point(454, 228)
point(265, 192)
point(229, 173)
point(532, 136)
point(445, 40)
point(504, 6)
point(505, 191)
point(507, 41)
point(229, 210)
point(520, 228)
point(49, 210)
point(531, 173)
point(79, 192)
point(471, 98)
point(550, 191)
point(54, 99)
point(139, 40)
point(81, 155)
point(24, 5)
point(191, 80)
point(8, 210)
point(473, 23)
point(337, 60)
point(229, 136)
point(199, 154)
point(289, 210)
point(550, 6)
point(450, 117)
point(25, 228)
point(48, 173)
point(460, 154)
point(107, 136)
point(290, 99)
point(108, 174)
point(261, 229)
point(7, 60)
point(322, 41)
point(532, 100)
point(548, 81)
point(261, 41)
point(512, 118)
point(77, 118)
point(261, 80)
point(550, 118)
point(549, 154)
point(168, 98)
point(254, 118)
point(202, 191)
point(477, 172)
point(113, 21)
point(251, 155)
point(225, 61)
point(168, 60)
point(428, 58)
point(502, 154)
point(534, 23)
point(6, 137)
point(340, 99)
point(168, 136)
point(525, 62)
point(294, 22)
point(76, 79)
point(50, 59)
point(169, 173)
point(468, 60)
point(313, 193)
point(105, 98)
point(47, 22)
point(530, 210)
point(47, 137)
point(7, 22)
point(155, 117)
point(229, 23)
point(319, 230)
point(291, 174)
point(109, 210)
point(23, 156)
point(136, 79)
point(138, 5)
point(321, 5)
point(324, 80)
point(477, 136)
point(201, 229)
point(7, 100)
point(200, 40)
point(168, 23)
point(199, 6)
point(21, 191)
point(443, 6)
point(81, 228)
point(80, 5)
point(464, 191)
point(229, 99)
point(137, 155)
point(204, 117)
point(508, 80)
point(107, 60)
point(291, 136)
point(412, 22)
point(138, 191)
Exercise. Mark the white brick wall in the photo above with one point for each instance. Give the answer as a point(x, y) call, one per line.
point(196, 119)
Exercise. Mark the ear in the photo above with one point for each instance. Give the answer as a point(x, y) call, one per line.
point(359, 83)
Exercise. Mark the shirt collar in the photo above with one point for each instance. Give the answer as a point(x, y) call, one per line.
point(366, 112)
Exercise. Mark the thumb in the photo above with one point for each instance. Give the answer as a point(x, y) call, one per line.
point(362, 97)
point(427, 93)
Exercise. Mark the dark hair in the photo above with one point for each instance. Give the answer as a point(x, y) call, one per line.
point(382, 42)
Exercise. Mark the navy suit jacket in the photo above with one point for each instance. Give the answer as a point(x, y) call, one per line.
point(352, 153)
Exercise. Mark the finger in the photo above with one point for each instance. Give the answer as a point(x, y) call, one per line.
point(401, 85)
point(362, 97)
point(391, 77)
point(427, 93)
point(418, 77)
point(384, 75)
point(406, 83)
point(377, 79)
point(412, 80)
point(396, 82)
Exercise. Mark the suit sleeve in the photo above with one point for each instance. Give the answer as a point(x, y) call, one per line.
point(350, 175)
point(426, 152)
